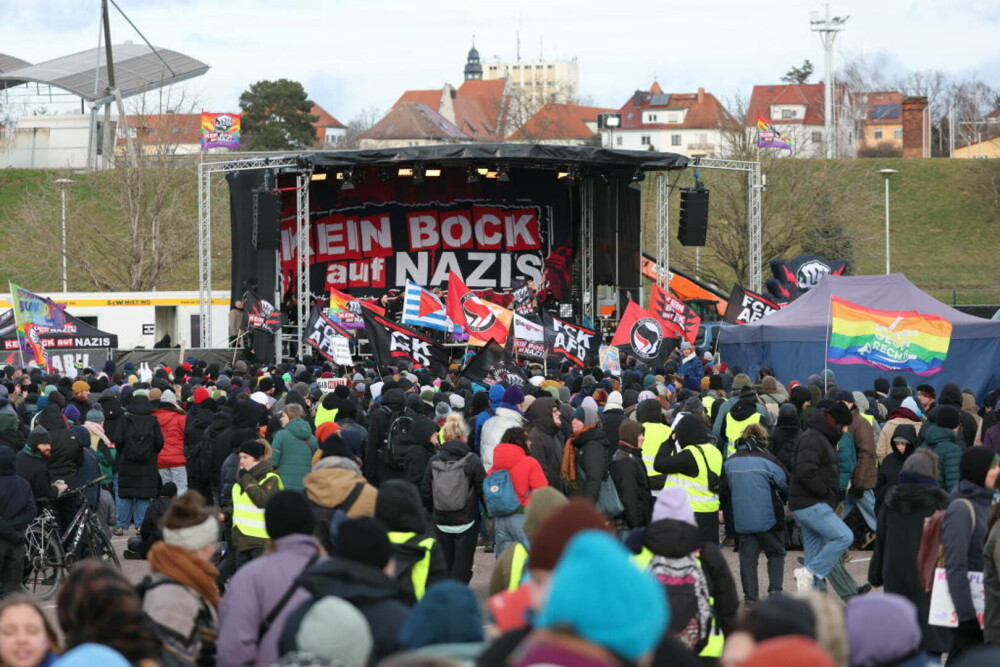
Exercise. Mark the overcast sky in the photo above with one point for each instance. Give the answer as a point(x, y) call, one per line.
point(352, 54)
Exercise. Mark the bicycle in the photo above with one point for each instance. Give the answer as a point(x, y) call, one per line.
point(49, 554)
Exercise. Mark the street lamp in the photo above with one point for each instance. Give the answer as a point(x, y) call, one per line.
point(63, 184)
point(887, 174)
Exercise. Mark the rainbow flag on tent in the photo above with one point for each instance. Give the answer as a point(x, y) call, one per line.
point(891, 340)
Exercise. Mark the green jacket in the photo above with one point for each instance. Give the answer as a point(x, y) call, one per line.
point(292, 452)
point(941, 441)
point(847, 459)
point(260, 488)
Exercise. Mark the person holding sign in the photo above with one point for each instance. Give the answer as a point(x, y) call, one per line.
point(963, 533)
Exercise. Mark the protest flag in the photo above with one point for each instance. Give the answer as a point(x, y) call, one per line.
point(391, 342)
point(641, 334)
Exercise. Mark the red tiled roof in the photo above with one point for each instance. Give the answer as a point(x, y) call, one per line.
point(323, 118)
point(167, 128)
point(479, 106)
point(703, 110)
point(560, 121)
point(994, 114)
point(809, 94)
point(411, 120)
point(431, 98)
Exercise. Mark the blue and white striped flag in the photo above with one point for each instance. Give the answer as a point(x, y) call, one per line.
point(422, 308)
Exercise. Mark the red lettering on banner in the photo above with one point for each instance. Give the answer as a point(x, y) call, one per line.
point(376, 236)
point(521, 229)
point(489, 227)
point(423, 228)
point(456, 231)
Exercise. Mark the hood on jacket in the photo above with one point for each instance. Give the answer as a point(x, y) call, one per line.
point(51, 418)
point(788, 415)
point(355, 582)
point(951, 394)
point(7, 461)
point(648, 410)
point(496, 395)
point(743, 408)
point(818, 422)
point(934, 434)
point(246, 414)
point(540, 415)
point(299, 428)
point(140, 405)
point(904, 413)
point(421, 432)
point(329, 487)
point(672, 538)
point(447, 614)
point(899, 393)
point(916, 498)
point(910, 433)
point(455, 449)
point(543, 502)
point(394, 399)
point(399, 507)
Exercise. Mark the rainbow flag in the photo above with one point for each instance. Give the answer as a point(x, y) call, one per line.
point(769, 137)
point(891, 340)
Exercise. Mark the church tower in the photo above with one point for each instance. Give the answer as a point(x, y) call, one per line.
point(473, 68)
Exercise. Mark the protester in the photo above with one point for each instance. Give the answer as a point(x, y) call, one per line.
point(17, 509)
point(27, 638)
point(513, 455)
point(31, 464)
point(629, 475)
point(511, 569)
point(940, 438)
point(418, 559)
point(293, 447)
point(547, 438)
point(589, 460)
point(139, 441)
point(692, 467)
point(507, 415)
point(349, 646)
point(446, 624)
point(170, 460)
point(256, 484)
point(151, 530)
point(336, 490)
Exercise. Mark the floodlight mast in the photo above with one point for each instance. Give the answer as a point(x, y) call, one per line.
point(828, 26)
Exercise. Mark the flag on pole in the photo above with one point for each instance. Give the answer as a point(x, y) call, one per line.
point(423, 308)
point(392, 342)
point(493, 365)
point(34, 315)
point(220, 130)
point(745, 306)
point(484, 321)
point(769, 137)
point(679, 318)
point(262, 314)
point(890, 340)
point(640, 334)
point(346, 309)
point(570, 342)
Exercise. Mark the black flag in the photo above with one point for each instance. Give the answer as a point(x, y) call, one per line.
point(392, 341)
point(745, 306)
point(321, 332)
point(262, 315)
point(493, 365)
point(569, 342)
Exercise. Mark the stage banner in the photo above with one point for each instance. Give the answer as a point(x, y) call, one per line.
point(569, 342)
point(491, 234)
point(746, 306)
point(680, 320)
point(423, 308)
point(220, 130)
point(262, 315)
point(529, 338)
point(391, 342)
point(492, 365)
point(641, 335)
point(322, 333)
point(482, 320)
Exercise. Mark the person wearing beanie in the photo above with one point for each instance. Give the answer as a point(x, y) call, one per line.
point(776, 616)
point(613, 416)
point(505, 416)
point(181, 596)
point(256, 483)
point(673, 540)
point(257, 590)
point(940, 438)
point(418, 558)
point(31, 464)
point(744, 412)
point(901, 517)
point(631, 481)
point(349, 645)
point(80, 400)
point(694, 465)
point(963, 534)
point(360, 573)
point(883, 630)
point(138, 441)
point(691, 368)
point(446, 623)
point(592, 453)
point(17, 509)
point(656, 433)
point(589, 616)
point(926, 398)
point(813, 495)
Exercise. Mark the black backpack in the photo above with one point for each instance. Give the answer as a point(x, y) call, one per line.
point(392, 449)
point(140, 440)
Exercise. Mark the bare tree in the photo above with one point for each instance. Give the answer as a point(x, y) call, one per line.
point(358, 125)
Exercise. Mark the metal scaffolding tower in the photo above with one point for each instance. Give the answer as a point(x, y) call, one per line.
point(587, 249)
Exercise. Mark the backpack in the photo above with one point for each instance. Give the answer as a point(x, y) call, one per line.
point(714, 481)
point(690, 600)
point(339, 514)
point(450, 485)
point(392, 449)
point(499, 494)
point(139, 441)
point(200, 458)
point(930, 556)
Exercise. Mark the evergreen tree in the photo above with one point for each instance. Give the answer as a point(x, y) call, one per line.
point(276, 116)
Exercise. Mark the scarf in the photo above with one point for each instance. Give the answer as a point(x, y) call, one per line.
point(185, 568)
point(98, 430)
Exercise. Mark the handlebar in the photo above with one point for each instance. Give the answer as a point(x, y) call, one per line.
point(93, 482)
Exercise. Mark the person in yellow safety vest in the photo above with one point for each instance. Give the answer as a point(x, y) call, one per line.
point(419, 559)
point(512, 566)
point(695, 465)
point(656, 433)
point(256, 482)
point(326, 411)
point(744, 413)
point(673, 534)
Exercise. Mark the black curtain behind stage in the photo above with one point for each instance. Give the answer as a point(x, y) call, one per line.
point(617, 218)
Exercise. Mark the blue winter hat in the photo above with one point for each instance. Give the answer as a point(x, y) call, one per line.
point(596, 591)
point(93, 654)
point(496, 393)
point(447, 614)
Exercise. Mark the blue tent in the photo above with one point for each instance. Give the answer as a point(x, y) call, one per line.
point(793, 341)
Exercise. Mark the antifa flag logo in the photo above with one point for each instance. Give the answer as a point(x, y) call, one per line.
point(478, 316)
point(646, 337)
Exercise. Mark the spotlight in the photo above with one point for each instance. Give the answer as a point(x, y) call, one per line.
point(318, 176)
point(404, 171)
point(637, 180)
point(571, 174)
point(433, 172)
point(472, 176)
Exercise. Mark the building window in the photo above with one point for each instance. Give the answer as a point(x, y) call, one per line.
point(898, 133)
point(787, 113)
point(618, 140)
point(651, 118)
point(817, 137)
point(878, 132)
point(645, 140)
point(675, 140)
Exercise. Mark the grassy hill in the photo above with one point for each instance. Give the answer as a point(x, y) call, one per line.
point(944, 219)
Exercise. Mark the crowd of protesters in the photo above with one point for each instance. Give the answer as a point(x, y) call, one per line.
point(285, 524)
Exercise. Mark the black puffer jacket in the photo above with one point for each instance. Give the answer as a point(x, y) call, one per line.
point(419, 450)
point(888, 472)
point(376, 471)
point(138, 478)
point(454, 451)
point(611, 421)
point(593, 458)
point(547, 439)
point(816, 478)
point(785, 436)
point(629, 474)
point(243, 427)
point(67, 450)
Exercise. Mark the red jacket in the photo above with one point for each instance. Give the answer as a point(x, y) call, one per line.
point(172, 425)
point(525, 471)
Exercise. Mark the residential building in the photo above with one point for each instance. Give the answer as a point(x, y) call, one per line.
point(329, 130)
point(412, 124)
point(168, 133)
point(561, 124)
point(478, 108)
point(879, 118)
point(796, 110)
point(533, 84)
point(691, 124)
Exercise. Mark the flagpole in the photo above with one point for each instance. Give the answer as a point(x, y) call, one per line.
point(17, 326)
point(826, 350)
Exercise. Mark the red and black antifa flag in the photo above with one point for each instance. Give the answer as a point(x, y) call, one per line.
point(641, 335)
point(493, 365)
point(675, 313)
point(262, 315)
point(569, 342)
point(746, 306)
point(391, 342)
point(320, 333)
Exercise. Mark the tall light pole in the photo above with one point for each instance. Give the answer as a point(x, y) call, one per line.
point(828, 26)
point(63, 184)
point(887, 174)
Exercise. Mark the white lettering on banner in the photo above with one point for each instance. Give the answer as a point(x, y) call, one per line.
point(65, 363)
point(753, 309)
point(488, 234)
point(414, 348)
point(326, 385)
point(463, 238)
point(482, 270)
point(571, 340)
point(423, 231)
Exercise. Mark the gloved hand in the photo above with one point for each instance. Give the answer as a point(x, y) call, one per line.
point(60, 487)
point(856, 492)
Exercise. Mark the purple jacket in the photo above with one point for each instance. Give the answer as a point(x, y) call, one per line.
point(252, 593)
point(991, 440)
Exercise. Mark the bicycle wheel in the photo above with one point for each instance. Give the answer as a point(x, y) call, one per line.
point(99, 546)
point(43, 560)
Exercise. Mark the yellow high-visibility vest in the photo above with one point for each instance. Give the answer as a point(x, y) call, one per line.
point(422, 568)
point(655, 435)
point(735, 428)
point(246, 516)
point(323, 415)
point(716, 640)
point(701, 498)
point(519, 558)
point(869, 419)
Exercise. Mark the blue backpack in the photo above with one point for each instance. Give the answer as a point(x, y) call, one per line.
point(499, 494)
